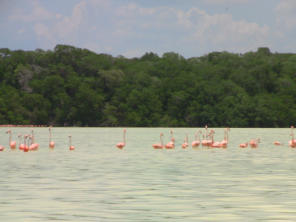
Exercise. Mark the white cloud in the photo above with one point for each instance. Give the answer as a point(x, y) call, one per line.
point(131, 29)
point(222, 29)
point(285, 14)
point(193, 28)
point(67, 26)
point(38, 13)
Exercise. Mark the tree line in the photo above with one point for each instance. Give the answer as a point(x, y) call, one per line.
point(70, 86)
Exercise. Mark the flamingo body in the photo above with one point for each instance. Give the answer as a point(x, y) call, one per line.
point(12, 144)
point(216, 145)
point(170, 145)
point(292, 143)
point(1, 148)
point(224, 143)
point(243, 145)
point(51, 144)
point(195, 143)
point(26, 149)
point(157, 146)
point(120, 145)
point(22, 146)
point(185, 145)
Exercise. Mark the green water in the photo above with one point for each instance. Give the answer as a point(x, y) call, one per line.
point(98, 182)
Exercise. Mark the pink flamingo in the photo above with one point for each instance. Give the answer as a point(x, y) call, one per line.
point(120, 145)
point(243, 145)
point(185, 144)
point(196, 142)
point(26, 149)
point(171, 144)
point(51, 143)
point(224, 142)
point(277, 143)
point(12, 144)
point(159, 145)
point(35, 145)
point(254, 143)
point(211, 142)
point(292, 142)
point(204, 142)
point(22, 145)
point(30, 142)
point(71, 147)
point(1, 148)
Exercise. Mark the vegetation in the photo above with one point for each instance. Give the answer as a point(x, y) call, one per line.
point(77, 87)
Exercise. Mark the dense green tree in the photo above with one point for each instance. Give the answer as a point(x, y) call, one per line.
point(74, 86)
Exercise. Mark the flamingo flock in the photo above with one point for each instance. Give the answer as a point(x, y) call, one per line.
point(27, 141)
point(207, 141)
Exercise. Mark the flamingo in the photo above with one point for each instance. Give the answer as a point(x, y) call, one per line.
point(205, 136)
point(196, 142)
point(277, 143)
point(211, 142)
point(171, 144)
point(22, 145)
point(30, 142)
point(51, 143)
point(35, 145)
point(243, 145)
point(12, 144)
point(254, 142)
point(185, 144)
point(292, 142)
point(204, 141)
point(120, 145)
point(1, 148)
point(71, 147)
point(26, 149)
point(159, 145)
point(224, 142)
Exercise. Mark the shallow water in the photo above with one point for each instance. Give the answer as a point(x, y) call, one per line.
point(98, 182)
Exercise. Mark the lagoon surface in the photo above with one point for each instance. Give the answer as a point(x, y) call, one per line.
point(98, 182)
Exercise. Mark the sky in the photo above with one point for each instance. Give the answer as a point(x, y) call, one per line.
point(131, 28)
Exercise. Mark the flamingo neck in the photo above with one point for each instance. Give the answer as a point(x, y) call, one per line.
point(49, 135)
point(32, 138)
point(70, 141)
point(124, 137)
